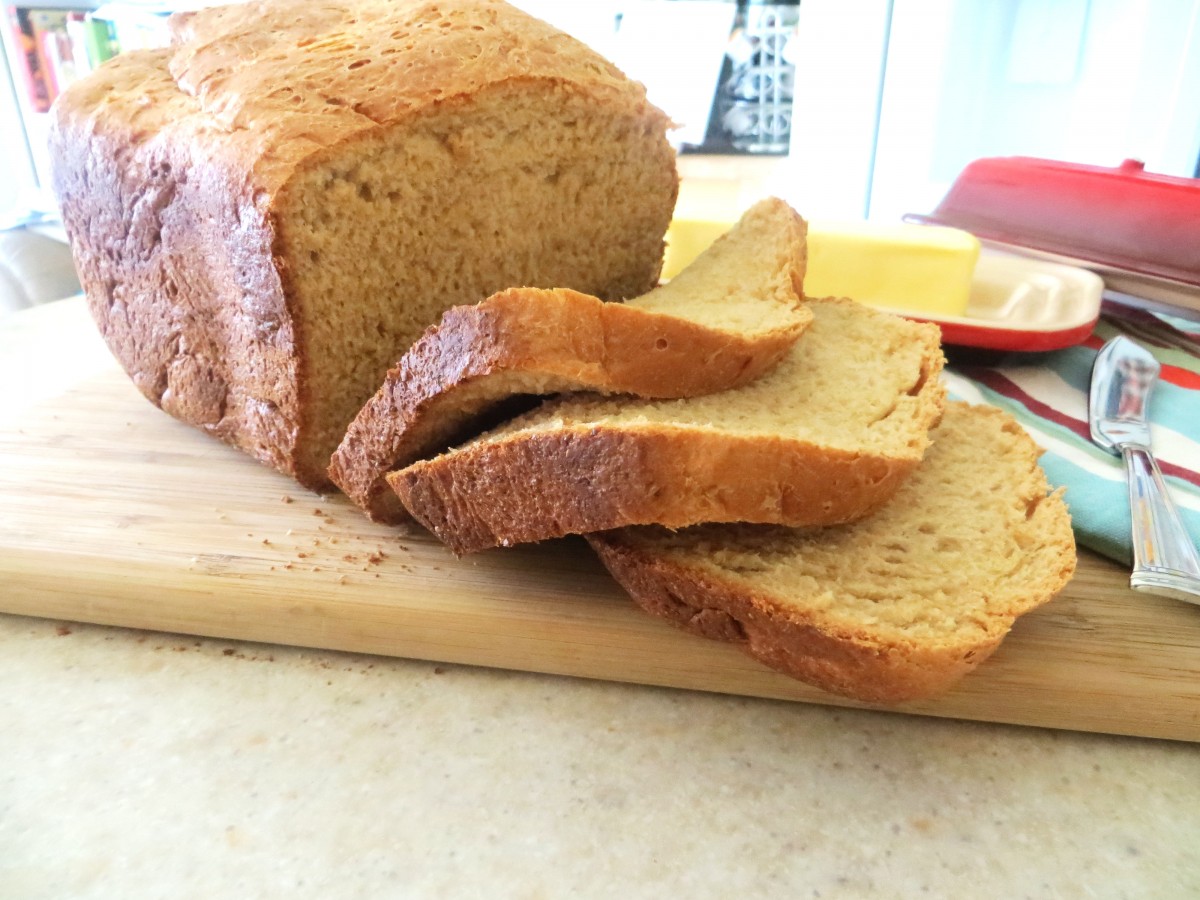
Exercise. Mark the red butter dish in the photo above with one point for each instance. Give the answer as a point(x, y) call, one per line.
point(1119, 221)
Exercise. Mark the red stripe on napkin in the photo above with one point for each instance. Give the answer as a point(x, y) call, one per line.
point(1002, 385)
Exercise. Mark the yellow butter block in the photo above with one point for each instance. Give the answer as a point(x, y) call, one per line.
point(687, 239)
point(914, 268)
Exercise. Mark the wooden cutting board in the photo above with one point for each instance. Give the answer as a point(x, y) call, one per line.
point(113, 513)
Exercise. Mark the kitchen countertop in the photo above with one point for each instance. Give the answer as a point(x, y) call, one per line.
point(140, 764)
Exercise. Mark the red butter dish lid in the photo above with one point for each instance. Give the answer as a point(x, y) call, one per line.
point(1123, 217)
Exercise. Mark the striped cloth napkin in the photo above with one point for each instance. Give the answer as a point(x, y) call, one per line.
point(1048, 394)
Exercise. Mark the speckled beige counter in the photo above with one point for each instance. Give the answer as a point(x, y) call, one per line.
point(146, 765)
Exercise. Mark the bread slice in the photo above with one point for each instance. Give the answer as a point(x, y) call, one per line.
point(719, 324)
point(266, 214)
point(826, 436)
point(895, 607)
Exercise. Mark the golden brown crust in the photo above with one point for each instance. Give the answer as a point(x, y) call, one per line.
point(174, 249)
point(170, 165)
point(854, 665)
point(537, 486)
point(369, 63)
point(776, 594)
point(533, 341)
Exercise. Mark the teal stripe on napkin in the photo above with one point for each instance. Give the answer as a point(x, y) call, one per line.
point(1047, 393)
point(1100, 512)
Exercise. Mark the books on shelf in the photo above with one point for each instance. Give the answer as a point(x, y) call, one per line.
point(56, 46)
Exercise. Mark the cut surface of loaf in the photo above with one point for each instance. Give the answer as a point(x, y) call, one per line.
point(826, 436)
point(719, 324)
point(267, 214)
point(895, 607)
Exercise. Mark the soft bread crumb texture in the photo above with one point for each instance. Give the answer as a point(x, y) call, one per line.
point(895, 606)
point(509, 190)
point(825, 437)
point(266, 214)
point(691, 337)
point(748, 280)
point(857, 380)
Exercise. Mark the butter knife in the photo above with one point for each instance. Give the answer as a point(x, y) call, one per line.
point(1164, 559)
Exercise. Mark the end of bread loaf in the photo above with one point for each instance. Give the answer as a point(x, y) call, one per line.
point(826, 436)
point(893, 608)
point(266, 215)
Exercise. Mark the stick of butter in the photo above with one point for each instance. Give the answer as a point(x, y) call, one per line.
point(687, 239)
point(914, 268)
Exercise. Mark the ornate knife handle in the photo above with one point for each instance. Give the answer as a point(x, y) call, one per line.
point(1164, 559)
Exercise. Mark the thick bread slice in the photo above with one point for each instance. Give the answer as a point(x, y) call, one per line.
point(895, 607)
point(721, 323)
point(826, 436)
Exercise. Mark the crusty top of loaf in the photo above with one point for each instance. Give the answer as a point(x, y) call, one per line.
point(369, 61)
point(287, 78)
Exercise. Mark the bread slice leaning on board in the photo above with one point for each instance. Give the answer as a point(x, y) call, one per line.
point(721, 323)
point(895, 607)
point(827, 436)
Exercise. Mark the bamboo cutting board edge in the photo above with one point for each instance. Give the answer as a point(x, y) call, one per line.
point(601, 635)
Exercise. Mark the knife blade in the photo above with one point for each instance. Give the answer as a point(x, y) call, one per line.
point(1165, 560)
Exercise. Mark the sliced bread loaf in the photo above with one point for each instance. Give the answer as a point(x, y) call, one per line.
point(721, 323)
point(826, 436)
point(895, 607)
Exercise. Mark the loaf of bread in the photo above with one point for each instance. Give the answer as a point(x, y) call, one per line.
point(895, 607)
point(719, 324)
point(826, 436)
point(266, 215)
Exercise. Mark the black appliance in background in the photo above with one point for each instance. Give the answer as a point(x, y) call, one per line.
point(752, 109)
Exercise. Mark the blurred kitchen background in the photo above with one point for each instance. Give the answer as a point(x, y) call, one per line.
point(849, 109)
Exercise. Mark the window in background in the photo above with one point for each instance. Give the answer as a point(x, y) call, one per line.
point(1084, 81)
point(18, 185)
point(889, 99)
point(832, 62)
point(47, 45)
point(674, 47)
